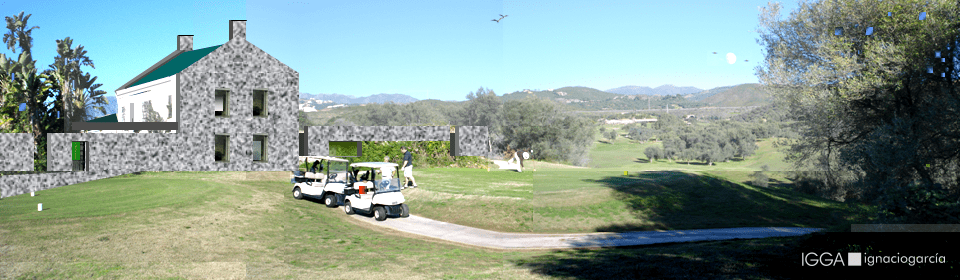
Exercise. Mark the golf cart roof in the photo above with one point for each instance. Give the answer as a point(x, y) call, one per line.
point(315, 158)
point(374, 164)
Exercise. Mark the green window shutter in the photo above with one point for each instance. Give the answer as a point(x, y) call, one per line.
point(77, 150)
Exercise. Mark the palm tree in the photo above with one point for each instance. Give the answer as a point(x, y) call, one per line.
point(66, 68)
point(87, 95)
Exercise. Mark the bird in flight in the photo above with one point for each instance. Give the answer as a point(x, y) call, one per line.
point(498, 20)
point(714, 52)
point(746, 60)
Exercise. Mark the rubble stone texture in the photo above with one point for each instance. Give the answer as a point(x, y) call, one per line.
point(237, 66)
point(17, 151)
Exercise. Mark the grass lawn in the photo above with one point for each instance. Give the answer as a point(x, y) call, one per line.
point(187, 225)
point(568, 200)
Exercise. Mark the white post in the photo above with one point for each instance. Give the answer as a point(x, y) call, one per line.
point(39, 206)
point(31, 193)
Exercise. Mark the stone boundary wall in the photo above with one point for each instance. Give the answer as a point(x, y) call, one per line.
point(113, 154)
point(18, 150)
point(11, 185)
point(473, 140)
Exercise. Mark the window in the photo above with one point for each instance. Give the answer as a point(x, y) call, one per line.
point(79, 156)
point(259, 147)
point(222, 103)
point(259, 103)
point(221, 149)
point(123, 113)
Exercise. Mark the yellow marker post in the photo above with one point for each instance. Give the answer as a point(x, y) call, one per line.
point(624, 173)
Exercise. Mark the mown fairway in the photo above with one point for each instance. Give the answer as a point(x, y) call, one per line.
point(568, 200)
point(189, 225)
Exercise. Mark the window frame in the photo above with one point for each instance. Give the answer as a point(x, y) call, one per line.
point(226, 102)
point(264, 112)
point(226, 147)
point(263, 146)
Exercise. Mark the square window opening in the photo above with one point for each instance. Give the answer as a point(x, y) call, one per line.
point(221, 149)
point(221, 103)
point(260, 148)
point(260, 103)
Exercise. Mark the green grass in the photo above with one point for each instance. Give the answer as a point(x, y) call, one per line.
point(246, 225)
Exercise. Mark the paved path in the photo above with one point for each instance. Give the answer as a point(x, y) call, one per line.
point(492, 239)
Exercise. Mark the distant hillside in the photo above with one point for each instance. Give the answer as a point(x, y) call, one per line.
point(700, 96)
point(740, 95)
point(563, 95)
point(661, 90)
point(349, 99)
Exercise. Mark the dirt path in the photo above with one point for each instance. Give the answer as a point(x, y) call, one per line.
point(500, 240)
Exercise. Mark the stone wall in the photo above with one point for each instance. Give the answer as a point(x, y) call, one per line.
point(17, 151)
point(472, 140)
point(320, 136)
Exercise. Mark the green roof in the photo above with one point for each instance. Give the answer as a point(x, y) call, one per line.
point(175, 65)
point(107, 118)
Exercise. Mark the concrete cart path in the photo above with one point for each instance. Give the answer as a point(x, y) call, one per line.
point(499, 240)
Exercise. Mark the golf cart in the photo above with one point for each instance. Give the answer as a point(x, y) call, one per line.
point(328, 183)
point(373, 192)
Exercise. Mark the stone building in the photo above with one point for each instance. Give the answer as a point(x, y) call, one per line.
point(233, 108)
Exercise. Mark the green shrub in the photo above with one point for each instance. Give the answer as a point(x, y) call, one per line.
point(919, 204)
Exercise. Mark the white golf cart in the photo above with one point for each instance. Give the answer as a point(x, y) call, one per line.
point(327, 183)
point(374, 191)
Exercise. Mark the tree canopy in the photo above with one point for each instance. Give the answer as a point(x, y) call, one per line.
point(868, 107)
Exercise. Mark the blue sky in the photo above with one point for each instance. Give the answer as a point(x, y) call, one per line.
point(426, 49)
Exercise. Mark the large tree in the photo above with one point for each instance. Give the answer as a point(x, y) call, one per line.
point(867, 106)
point(79, 88)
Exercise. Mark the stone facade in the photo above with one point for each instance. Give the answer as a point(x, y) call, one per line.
point(18, 150)
point(239, 67)
point(319, 136)
point(472, 140)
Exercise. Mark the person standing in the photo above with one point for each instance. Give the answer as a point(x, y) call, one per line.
point(407, 167)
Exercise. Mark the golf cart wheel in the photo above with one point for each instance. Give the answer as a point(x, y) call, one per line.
point(379, 213)
point(330, 201)
point(404, 210)
point(297, 194)
point(347, 208)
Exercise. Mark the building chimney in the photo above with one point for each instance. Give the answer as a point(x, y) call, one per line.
point(238, 30)
point(185, 43)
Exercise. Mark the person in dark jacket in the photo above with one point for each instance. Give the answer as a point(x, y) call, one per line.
point(407, 167)
point(316, 165)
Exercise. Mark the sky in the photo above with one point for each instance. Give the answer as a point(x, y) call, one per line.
point(425, 49)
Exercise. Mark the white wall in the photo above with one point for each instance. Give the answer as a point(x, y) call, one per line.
point(160, 93)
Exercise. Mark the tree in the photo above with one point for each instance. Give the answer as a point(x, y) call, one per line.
point(760, 178)
point(79, 88)
point(867, 106)
point(612, 135)
point(542, 126)
point(653, 153)
point(22, 83)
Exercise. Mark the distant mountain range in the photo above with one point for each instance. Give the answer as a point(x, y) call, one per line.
point(661, 90)
point(590, 98)
point(349, 99)
point(740, 95)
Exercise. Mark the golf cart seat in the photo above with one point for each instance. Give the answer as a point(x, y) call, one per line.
point(315, 175)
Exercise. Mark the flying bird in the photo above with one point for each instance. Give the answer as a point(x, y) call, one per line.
point(746, 60)
point(498, 20)
point(714, 52)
